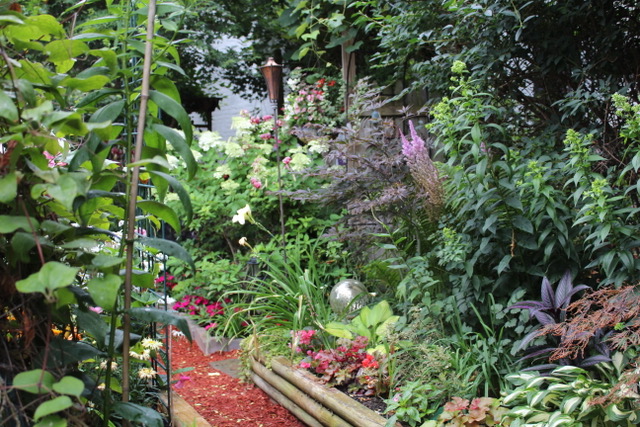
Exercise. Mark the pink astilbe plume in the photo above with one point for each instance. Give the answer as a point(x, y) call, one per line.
point(411, 149)
point(423, 170)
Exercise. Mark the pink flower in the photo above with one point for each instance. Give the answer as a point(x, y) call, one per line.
point(286, 160)
point(412, 148)
point(267, 117)
point(265, 136)
point(96, 309)
point(211, 325)
point(181, 380)
point(305, 365)
point(256, 183)
point(255, 120)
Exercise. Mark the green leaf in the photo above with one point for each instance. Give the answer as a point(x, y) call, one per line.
point(8, 109)
point(339, 330)
point(138, 414)
point(104, 290)
point(87, 84)
point(148, 314)
point(106, 261)
point(52, 406)
point(522, 223)
point(504, 263)
point(93, 324)
point(175, 110)
point(52, 275)
point(51, 421)
point(161, 211)
point(179, 190)
point(180, 145)
point(169, 248)
point(69, 385)
point(9, 224)
point(8, 188)
point(64, 50)
point(36, 381)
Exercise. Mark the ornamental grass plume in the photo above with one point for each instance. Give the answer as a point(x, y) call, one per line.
point(423, 170)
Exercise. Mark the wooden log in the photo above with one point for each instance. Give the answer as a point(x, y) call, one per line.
point(350, 410)
point(284, 401)
point(308, 404)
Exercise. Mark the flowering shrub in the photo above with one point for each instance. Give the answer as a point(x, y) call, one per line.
point(348, 365)
point(316, 103)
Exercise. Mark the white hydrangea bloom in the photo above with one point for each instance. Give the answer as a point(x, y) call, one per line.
point(318, 146)
point(229, 186)
point(173, 161)
point(299, 161)
point(209, 140)
point(221, 171)
point(233, 149)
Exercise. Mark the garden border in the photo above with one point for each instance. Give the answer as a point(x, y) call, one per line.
point(312, 402)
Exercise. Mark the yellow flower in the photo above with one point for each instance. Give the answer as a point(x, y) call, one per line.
point(146, 373)
point(243, 215)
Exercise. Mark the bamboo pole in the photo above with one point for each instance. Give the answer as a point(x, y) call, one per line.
point(135, 177)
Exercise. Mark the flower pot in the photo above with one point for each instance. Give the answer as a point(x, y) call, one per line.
point(313, 403)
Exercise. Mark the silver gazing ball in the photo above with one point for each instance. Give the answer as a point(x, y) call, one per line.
point(344, 292)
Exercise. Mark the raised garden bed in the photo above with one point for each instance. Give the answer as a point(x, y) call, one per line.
point(313, 403)
point(211, 344)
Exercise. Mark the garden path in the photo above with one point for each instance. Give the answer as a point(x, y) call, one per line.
point(219, 398)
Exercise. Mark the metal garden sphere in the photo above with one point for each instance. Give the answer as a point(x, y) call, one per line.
point(344, 293)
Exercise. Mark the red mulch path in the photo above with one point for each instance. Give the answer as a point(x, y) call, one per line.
point(223, 400)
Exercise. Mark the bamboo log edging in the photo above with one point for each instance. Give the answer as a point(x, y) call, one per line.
point(319, 414)
point(284, 401)
point(327, 405)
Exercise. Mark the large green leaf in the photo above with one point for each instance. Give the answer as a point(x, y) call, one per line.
point(169, 248)
point(52, 406)
point(87, 84)
point(8, 188)
point(104, 290)
point(51, 421)
point(161, 211)
point(9, 224)
point(8, 109)
point(69, 385)
point(52, 275)
point(138, 414)
point(179, 189)
point(93, 324)
point(155, 315)
point(175, 110)
point(180, 145)
point(36, 381)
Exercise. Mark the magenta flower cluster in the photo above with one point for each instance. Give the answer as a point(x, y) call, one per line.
point(412, 148)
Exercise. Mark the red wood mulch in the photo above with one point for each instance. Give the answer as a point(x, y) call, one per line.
point(223, 400)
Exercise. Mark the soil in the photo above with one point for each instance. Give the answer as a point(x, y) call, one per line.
point(221, 399)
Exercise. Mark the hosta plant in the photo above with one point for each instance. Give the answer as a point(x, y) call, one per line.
point(565, 397)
